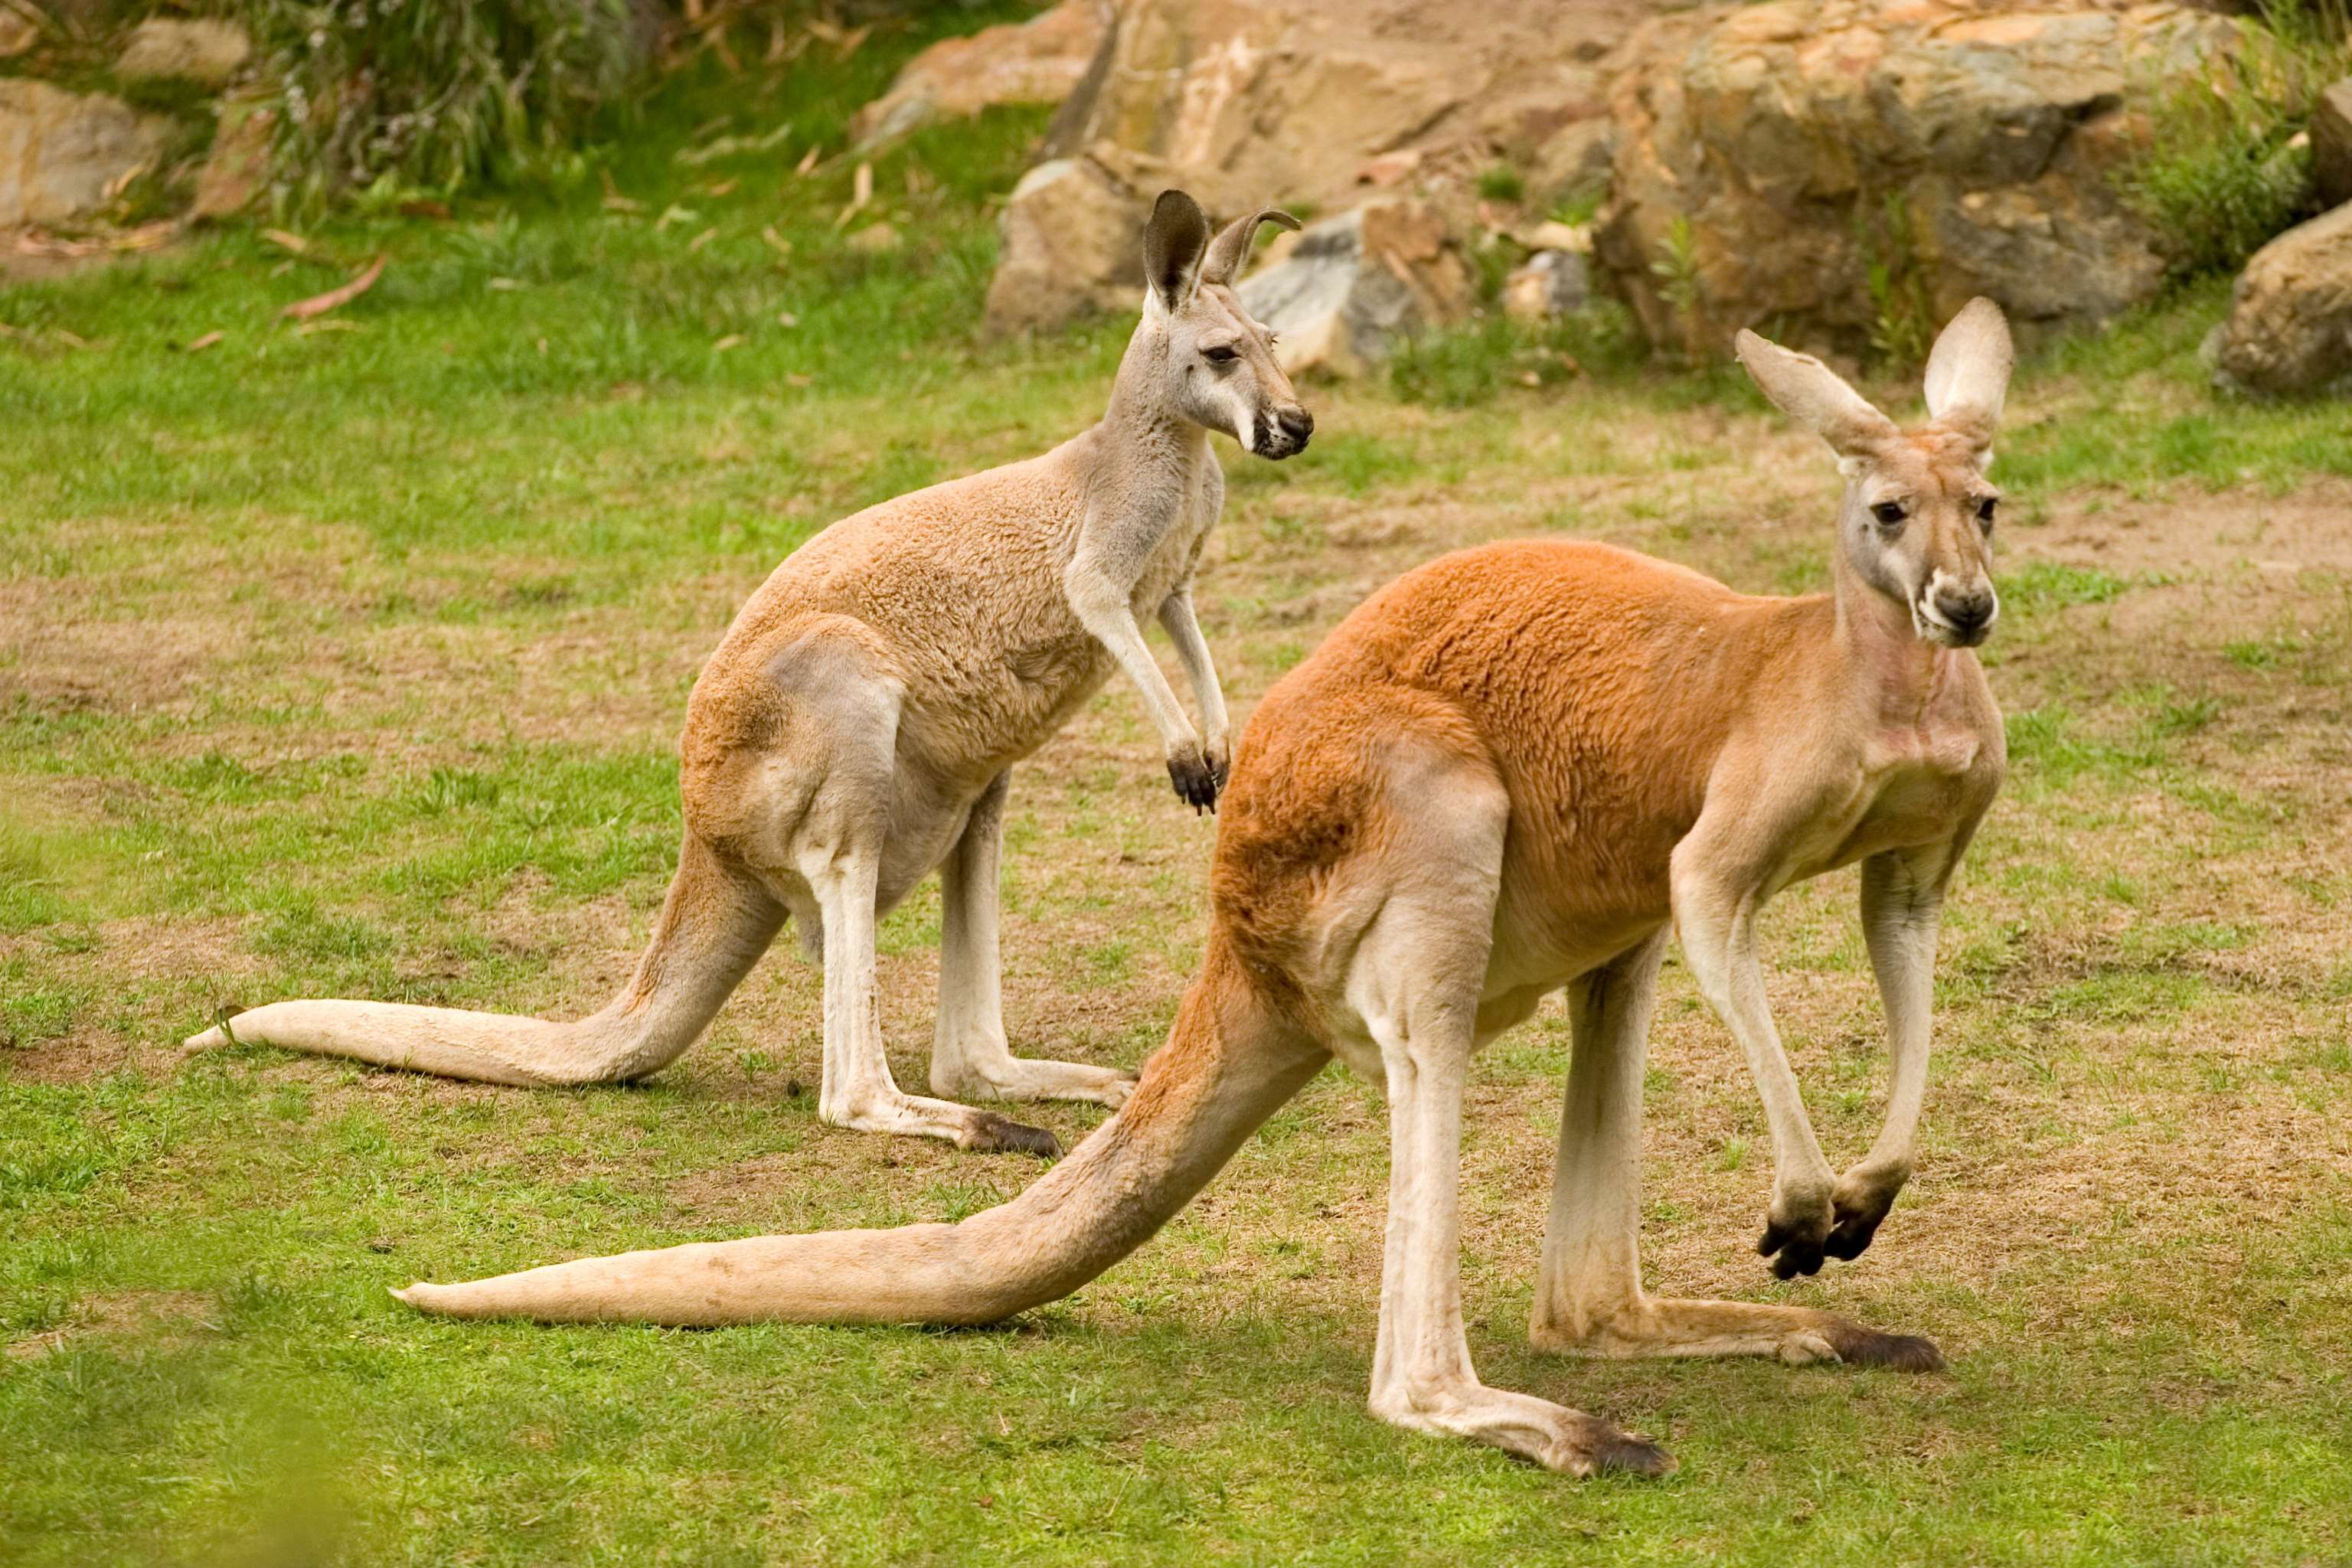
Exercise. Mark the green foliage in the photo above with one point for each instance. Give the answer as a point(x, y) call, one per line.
point(1903, 312)
point(1501, 183)
point(1466, 366)
point(434, 94)
point(2222, 172)
point(1676, 270)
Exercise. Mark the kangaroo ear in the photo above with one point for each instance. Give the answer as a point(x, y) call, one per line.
point(1815, 396)
point(1968, 372)
point(1231, 249)
point(1174, 243)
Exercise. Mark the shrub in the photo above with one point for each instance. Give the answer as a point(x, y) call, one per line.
point(2221, 174)
point(435, 93)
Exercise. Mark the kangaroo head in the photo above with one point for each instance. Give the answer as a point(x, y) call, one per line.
point(1916, 521)
point(1202, 355)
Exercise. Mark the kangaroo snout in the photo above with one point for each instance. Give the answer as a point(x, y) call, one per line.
point(1963, 612)
point(1284, 432)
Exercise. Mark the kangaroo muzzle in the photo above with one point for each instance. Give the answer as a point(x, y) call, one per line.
point(1957, 613)
point(1282, 432)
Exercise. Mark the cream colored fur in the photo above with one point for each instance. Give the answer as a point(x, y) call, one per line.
point(856, 729)
point(1516, 771)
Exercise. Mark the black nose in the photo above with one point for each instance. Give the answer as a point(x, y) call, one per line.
point(1970, 610)
point(1296, 423)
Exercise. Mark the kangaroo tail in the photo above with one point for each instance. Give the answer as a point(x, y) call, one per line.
point(1229, 1062)
point(714, 925)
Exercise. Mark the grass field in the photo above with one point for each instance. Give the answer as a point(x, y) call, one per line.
point(351, 663)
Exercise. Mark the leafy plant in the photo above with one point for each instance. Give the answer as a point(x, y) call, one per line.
point(1903, 313)
point(1502, 183)
point(432, 95)
point(1676, 270)
point(2223, 172)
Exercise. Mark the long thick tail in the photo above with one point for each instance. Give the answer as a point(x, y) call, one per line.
point(714, 925)
point(1229, 1062)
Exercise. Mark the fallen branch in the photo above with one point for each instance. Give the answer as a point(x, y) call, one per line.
point(336, 299)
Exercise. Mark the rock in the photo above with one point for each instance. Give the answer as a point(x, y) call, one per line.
point(63, 154)
point(1072, 243)
point(1855, 170)
point(238, 167)
point(1574, 161)
point(2331, 145)
point(1550, 283)
point(1041, 60)
point(2290, 325)
point(1245, 104)
point(1348, 289)
point(17, 34)
point(204, 52)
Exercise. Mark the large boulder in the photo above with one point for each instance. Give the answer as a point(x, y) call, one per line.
point(1350, 288)
point(2289, 330)
point(1041, 60)
point(63, 155)
point(1855, 170)
point(204, 51)
point(1319, 103)
point(1072, 243)
point(2331, 145)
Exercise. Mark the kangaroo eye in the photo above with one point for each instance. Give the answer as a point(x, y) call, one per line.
point(1984, 511)
point(1221, 354)
point(1888, 513)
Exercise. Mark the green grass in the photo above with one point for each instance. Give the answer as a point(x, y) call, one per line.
point(354, 662)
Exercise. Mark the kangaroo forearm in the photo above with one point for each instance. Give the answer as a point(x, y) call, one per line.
point(1184, 630)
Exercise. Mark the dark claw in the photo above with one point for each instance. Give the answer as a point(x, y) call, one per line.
point(1197, 782)
point(1792, 1253)
point(1858, 1346)
point(1625, 1451)
point(1002, 1135)
point(1852, 1234)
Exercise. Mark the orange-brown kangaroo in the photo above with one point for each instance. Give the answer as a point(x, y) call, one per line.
point(1507, 773)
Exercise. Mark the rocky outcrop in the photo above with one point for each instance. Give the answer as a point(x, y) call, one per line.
point(1071, 244)
point(205, 52)
point(1041, 60)
point(63, 155)
point(2331, 145)
point(1549, 283)
point(1855, 170)
point(2289, 330)
point(1347, 290)
point(1321, 103)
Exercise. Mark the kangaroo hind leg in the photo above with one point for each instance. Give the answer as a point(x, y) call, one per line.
point(1414, 982)
point(834, 846)
point(970, 1058)
point(1589, 1295)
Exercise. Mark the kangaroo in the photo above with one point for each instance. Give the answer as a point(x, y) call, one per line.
point(857, 728)
point(1515, 769)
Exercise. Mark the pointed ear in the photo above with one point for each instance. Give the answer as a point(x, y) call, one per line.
point(1815, 396)
point(1968, 372)
point(1174, 243)
point(1231, 249)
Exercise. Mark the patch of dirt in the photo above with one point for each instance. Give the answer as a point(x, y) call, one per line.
point(2195, 533)
point(149, 1319)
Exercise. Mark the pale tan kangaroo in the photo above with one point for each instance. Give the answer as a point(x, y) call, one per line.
point(856, 729)
point(1507, 773)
